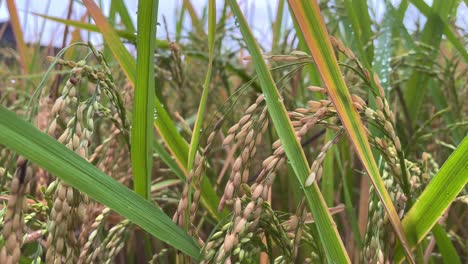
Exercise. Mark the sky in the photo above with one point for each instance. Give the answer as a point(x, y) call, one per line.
point(258, 12)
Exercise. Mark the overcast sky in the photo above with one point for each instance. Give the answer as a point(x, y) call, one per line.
point(258, 13)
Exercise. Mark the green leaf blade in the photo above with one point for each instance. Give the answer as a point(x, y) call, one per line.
point(46, 152)
point(142, 129)
point(436, 198)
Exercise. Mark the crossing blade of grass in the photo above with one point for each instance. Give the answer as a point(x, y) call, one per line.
point(176, 144)
point(124, 15)
point(121, 54)
point(440, 101)
point(341, 155)
point(126, 34)
point(162, 185)
point(196, 23)
point(427, 11)
point(361, 28)
point(206, 85)
point(445, 246)
point(179, 23)
point(313, 28)
point(310, 69)
point(20, 44)
point(46, 152)
point(277, 27)
point(179, 151)
point(334, 248)
point(361, 10)
point(129, 35)
point(142, 129)
point(432, 36)
point(328, 181)
point(197, 128)
point(436, 198)
point(162, 120)
point(384, 50)
point(168, 159)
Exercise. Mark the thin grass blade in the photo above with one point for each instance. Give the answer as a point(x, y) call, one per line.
point(451, 36)
point(121, 54)
point(197, 129)
point(361, 9)
point(445, 246)
point(361, 29)
point(124, 15)
point(206, 85)
point(168, 160)
point(196, 23)
point(328, 180)
point(277, 26)
point(20, 44)
point(126, 34)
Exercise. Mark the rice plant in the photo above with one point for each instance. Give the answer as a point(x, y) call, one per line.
point(342, 139)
